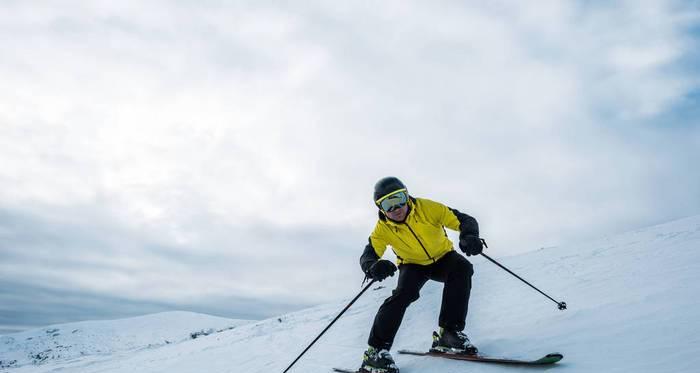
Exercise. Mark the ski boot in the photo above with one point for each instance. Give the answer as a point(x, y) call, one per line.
point(452, 342)
point(378, 361)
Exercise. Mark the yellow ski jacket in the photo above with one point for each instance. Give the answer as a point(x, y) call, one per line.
point(421, 238)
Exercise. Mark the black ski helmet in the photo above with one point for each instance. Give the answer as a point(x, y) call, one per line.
point(387, 185)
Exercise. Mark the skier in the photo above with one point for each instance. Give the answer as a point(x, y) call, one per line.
point(415, 230)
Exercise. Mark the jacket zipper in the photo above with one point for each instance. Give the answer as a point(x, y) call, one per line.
point(420, 243)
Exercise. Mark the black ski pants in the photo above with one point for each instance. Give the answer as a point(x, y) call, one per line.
point(453, 269)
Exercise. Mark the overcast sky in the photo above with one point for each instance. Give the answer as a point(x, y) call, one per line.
point(220, 156)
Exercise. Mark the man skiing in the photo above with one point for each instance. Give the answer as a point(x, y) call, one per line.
point(415, 229)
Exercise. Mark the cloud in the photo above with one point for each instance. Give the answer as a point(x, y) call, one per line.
point(57, 271)
point(31, 306)
point(175, 149)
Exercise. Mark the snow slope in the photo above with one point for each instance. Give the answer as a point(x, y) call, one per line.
point(633, 307)
point(66, 342)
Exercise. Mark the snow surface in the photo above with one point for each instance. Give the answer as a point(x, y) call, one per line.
point(633, 307)
point(107, 339)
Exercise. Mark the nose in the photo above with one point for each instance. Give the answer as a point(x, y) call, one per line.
point(397, 212)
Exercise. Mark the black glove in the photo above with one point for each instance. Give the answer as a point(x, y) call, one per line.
point(471, 245)
point(382, 269)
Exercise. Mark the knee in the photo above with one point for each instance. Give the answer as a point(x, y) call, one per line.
point(404, 296)
point(464, 267)
point(468, 268)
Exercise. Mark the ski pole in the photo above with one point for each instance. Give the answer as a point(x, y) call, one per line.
point(562, 305)
point(329, 325)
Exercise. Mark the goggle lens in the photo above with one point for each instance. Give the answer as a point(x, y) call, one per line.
point(394, 201)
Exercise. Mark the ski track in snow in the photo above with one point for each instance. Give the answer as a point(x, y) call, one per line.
point(633, 307)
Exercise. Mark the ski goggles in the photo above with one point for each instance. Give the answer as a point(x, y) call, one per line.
point(394, 200)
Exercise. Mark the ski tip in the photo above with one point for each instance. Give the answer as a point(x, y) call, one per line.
point(551, 358)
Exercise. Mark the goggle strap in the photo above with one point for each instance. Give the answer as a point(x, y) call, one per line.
point(379, 201)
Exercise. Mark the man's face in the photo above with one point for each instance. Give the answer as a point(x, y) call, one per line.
point(399, 214)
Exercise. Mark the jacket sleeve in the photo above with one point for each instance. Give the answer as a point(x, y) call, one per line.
point(467, 225)
point(373, 251)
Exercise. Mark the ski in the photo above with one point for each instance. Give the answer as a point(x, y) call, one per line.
point(545, 360)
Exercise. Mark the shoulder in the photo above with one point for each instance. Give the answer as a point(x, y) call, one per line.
point(429, 204)
point(433, 211)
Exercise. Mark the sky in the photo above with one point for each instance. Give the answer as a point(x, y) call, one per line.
point(219, 157)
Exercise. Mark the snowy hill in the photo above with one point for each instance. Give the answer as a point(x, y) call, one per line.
point(633, 307)
point(66, 342)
